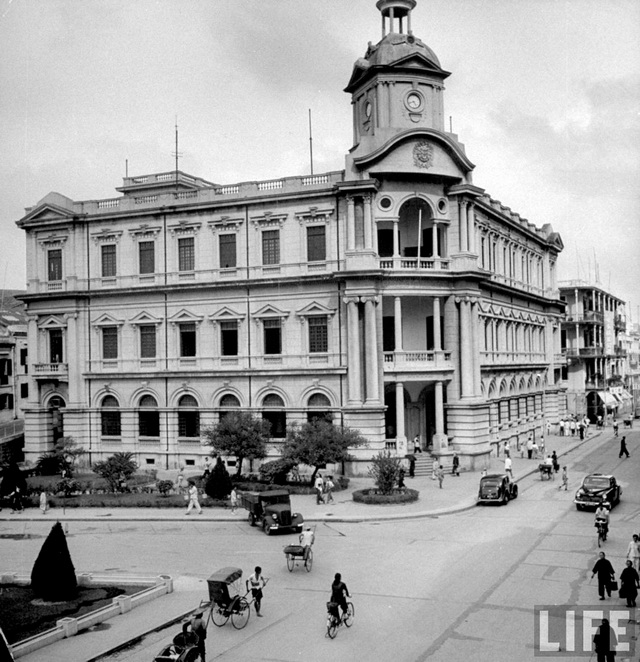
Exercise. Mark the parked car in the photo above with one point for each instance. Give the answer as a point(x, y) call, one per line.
point(596, 489)
point(272, 511)
point(497, 488)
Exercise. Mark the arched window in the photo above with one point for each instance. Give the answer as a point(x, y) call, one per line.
point(278, 419)
point(148, 420)
point(110, 417)
point(320, 404)
point(188, 421)
point(229, 402)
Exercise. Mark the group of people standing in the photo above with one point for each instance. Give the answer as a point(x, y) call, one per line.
point(324, 489)
point(572, 426)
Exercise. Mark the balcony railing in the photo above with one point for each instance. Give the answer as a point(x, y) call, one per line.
point(584, 352)
point(506, 358)
point(591, 316)
point(414, 263)
point(420, 360)
point(50, 369)
point(11, 428)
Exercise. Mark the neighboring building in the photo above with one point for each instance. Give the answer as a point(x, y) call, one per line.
point(395, 295)
point(630, 342)
point(596, 358)
point(14, 386)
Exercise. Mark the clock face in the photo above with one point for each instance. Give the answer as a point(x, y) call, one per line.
point(414, 100)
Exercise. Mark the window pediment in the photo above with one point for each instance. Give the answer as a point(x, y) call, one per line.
point(314, 215)
point(270, 312)
point(225, 314)
point(268, 220)
point(52, 322)
point(315, 308)
point(185, 228)
point(53, 240)
point(106, 236)
point(225, 224)
point(107, 320)
point(145, 318)
point(185, 316)
point(144, 231)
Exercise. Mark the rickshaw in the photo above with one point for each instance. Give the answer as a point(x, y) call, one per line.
point(221, 604)
point(295, 555)
point(183, 649)
point(546, 471)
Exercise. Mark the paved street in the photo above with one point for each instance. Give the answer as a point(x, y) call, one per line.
point(451, 587)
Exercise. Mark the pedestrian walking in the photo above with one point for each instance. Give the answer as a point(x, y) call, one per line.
point(629, 584)
point(199, 627)
point(535, 450)
point(329, 486)
point(633, 551)
point(581, 430)
point(417, 448)
point(606, 575)
point(207, 467)
point(573, 426)
point(233, 499)
point(615, 428)
point(412, 466)
point(565, 480)
point(541, 446)
point(44, 502)
point(605, 642)
point(256, 583)
point(623, 447)
point(180, 483)
point(440, 476)
point(455, 467)
point(319, 488)
point(554, 461)
point(529, 447)
point(561, 428)
point(15, 499)
point(548, 428)
point(507, 447)
point(401, 484)
point(192, 496)
point(507, 466)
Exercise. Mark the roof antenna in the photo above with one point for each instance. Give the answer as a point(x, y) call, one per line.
point(310, 143)
point(126, 167)
point(450, 124)
point(177, 153)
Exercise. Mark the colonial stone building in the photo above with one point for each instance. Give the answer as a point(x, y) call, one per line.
point(395, 295)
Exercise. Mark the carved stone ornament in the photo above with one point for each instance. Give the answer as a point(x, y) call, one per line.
point(423, 154)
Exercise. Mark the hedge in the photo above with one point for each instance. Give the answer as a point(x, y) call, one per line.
point(372, 496)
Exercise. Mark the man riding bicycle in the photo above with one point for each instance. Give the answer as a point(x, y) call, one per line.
point(602, 516)
point(339, 595)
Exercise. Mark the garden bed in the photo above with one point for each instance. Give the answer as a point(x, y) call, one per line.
point(22, 615)
point(374, 496)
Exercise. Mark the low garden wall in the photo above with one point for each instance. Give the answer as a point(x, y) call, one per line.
point(374, 496)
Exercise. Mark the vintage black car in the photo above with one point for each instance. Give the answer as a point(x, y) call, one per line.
point(597, 489)
point(497, 488)
point(272, 511)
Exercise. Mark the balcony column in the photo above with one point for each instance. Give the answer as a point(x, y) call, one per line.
point(371, 349)
point(475, 347)
point(466, 348)
point(440, 438)
point(32, 358)
point(397, 323)
point(471, 230)
point(353, 351)
point(351, 223)
point(434, 240)
point(462, 224)
point(368, 228)
point(437, 336)
point(400, 431)
point(72, 353)
point(396, 238)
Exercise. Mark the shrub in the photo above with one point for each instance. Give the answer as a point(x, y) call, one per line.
point(372, 496)
point(68, 486)
point(164, 487)
point(276, 471)
point(116, 470)
point(385, 471)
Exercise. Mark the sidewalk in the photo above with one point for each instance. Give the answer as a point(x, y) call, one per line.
point(457, 494)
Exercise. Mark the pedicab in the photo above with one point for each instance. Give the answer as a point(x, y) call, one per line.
point(221, 605)
point(546, 471)
point(295, 555)
point(183, 649)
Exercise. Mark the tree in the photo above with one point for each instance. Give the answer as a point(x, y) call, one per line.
point(319, 442)
point(239, 434)
point(385, 470)
point(116, 470)
point(218, 485)
point(62, 458)
point(53, 577)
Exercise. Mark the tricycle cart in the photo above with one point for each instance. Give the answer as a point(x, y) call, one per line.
point(546, 471)
point(221, 604)
point(183, 649)
point(295, 555)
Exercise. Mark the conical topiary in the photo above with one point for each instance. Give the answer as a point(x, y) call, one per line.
point(53, 577)
point(218, 485)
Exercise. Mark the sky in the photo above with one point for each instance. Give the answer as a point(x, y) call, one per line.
point(545, 95)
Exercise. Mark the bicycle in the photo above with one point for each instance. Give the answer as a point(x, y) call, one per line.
point(602, 532)
point(333, 622)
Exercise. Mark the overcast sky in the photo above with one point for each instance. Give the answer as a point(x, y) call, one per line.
point(545, 95)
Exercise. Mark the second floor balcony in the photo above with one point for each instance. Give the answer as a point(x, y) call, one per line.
point(50, 370)
point(418, 361)
point(584, 352)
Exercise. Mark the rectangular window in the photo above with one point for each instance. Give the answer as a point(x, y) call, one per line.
point(110, 342)
point(148, 341)
point(316, 243)
point(278, 421)
point(187, 339)
point(23, 359)
point(110, 423)
point(227, 251)
point(188, 424)
point(186, 254)
point(147, 255)
point(56, 354)
point(318, 337)
point(272, 337)
point(149, 423)
point(108, 261)
point(229, 338)
point(271, 247)
point(54, 264)
point(24, 391)
point(5, 371)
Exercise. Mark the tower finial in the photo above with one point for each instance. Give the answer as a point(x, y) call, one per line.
point(396, 11)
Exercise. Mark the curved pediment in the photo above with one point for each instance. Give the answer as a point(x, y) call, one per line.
point(421, 151)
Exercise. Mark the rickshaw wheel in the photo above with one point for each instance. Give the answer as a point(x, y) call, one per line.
point(240, 617)
point(290, 562)
point(192, 656)
point(309, 561)
point(219, 616)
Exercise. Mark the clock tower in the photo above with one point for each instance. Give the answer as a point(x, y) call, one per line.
point(398, 85)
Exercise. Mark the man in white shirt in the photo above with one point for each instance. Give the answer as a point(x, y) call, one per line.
point(319, 486)
point(306, 540)
point(507, 466)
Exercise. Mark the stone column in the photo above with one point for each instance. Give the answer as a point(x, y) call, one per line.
point(466, 349)
point(351, 224)
point(437, 336)
point(353, 351)
point(434, 241)
point(72, 355)
point(33, 357)
point(371, 350)
point(396, 238)
point(475, 347)
point(471, 230)
point(397, 323)
point(440, 438)
point(463, 225)
point(368, 229)
point(400, 431)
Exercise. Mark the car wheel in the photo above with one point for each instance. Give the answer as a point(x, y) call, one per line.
point(266, 528)
point(514, 495)
point(579, 507)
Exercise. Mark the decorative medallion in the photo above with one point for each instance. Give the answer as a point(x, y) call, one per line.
point(423, 154)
